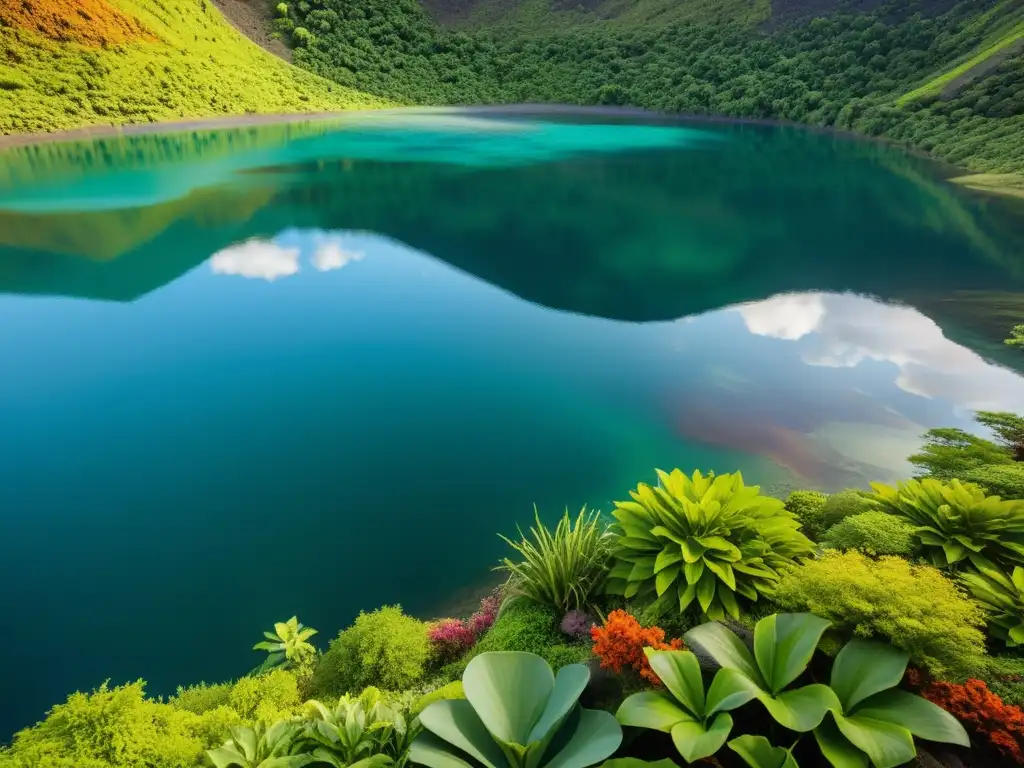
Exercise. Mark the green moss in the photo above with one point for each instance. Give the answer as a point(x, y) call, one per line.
point(202, 698)
point(809, 508)
point(874, 533)
point(844, 504)
point(266, 698)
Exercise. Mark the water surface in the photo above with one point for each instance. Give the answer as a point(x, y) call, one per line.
point(315, 368)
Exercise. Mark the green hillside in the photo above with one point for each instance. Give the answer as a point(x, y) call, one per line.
point(871, 71)
point(137, 61)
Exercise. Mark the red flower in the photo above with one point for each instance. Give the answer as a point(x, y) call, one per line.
point(621, 641)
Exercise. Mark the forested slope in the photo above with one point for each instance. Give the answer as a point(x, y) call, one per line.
point(852, 69)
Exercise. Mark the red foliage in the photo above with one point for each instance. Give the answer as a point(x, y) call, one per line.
point(980, 710)
point(621, 641)
point(88, 22)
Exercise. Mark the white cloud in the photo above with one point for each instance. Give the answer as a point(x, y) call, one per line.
point(258, 259)
point(842, 330)
point(331, 254)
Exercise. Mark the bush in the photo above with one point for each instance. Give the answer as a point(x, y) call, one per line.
point(1003, 480)
point(984, 713)
point(1005, 676)
point(914, 607)
point(809, 508)
point(620, 644)
point(843, 505)
point(202, 698)
point(875, 533)
point(109, 728)
point(385, 648)
point(266, 698)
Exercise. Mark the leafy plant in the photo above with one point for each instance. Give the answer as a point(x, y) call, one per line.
point(564, 569)
point(956, 525)
point(1008, 429)
point(875, 720)
point(1003, 480)
point(1003, 598)
point(384, 648)
point(948, 453)
point(842, 505)
point(515, 709)
point(698, 722)
point(288, 645)
point(875, 533)
point(576, 624)
point(262, 747)
point(758, 752)
point(709, 541)
point(914, 607)
point(622, 642)
point(360, 731)
point(783, 646)
point(809, 509)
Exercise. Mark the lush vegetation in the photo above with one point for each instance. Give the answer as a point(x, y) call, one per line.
point(138, 62)
point(850, 71)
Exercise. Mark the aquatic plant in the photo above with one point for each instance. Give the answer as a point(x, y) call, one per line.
point(366, 727)
point(958, 527)
point(515, 709)
point(1002, 596)
point(913, 607)
point(288, 645)
point(262, 747)
point(874, 533)
point(576, 624)
point(564, 569)
point(622, 643)
point(705, 541)
point(450, 638)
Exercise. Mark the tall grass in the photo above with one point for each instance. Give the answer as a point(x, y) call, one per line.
point(565, 568)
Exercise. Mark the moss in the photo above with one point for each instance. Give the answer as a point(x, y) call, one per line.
point(844, 504)
point(266, 698)
point(809, 508)
point(875, 533)
point(202, 698)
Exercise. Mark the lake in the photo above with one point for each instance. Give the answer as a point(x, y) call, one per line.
point(315, 368)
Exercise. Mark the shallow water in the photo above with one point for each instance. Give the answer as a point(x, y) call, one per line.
point(316, 368)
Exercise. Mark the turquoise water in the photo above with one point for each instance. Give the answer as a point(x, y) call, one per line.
point(317, 368)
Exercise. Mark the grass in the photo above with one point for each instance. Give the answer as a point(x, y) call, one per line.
point(186, 62)
point(1010, 184)
point(541, 15)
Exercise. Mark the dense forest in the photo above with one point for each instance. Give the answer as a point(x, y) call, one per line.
point(888, 72)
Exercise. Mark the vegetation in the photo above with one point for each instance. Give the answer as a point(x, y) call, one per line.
point(809, 508)
point(126, 65)
point(1003, 597)
point(706, 541)
point(914, 607)
point(844, 504)
point(288, 645)
point(565, 569)
point(623, 643)
point(874, 533)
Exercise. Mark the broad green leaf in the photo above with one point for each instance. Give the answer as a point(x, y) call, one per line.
point(246, 739)
point(456, 722)
point(692, 572)
point(680, 672)
point(509, 691)
point(725, 648)
point(651, 709)
point(836, 748)
point(666, 558)
point(723, 571)
point(665, 579)
point(374, 761)
point(706, 590)
point(692, 550)
point(696, 742)
point(863, 668)
point(886, 744)
point(635, 762)
point(570, 682)
point(728, 599)
point(226, 756)
point(291, 761)
point(919, 716)
point(434, 752)
point(784, 644)
point(758, 752)
point(596, 737)
point(729, 689)
point(801, 709)
point(687, 595)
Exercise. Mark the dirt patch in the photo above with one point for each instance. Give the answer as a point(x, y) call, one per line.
point(982, 68)
point(88, 22)
point(252, 18)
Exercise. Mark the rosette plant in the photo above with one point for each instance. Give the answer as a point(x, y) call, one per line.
point(958, 525)
point(364, 731)
point(1002, 597)
point(517, 714)
point(288, 645)
point(703, 540)
point(260, 747)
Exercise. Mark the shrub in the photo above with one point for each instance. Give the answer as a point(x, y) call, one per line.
point(875, 533)
point(110, 728)
point(621, 641)
point(384, 648)
point(564, 569)
point(202, 697)
point(914, 607)
point(449, 639)
point(287, 646)
point(709, 541)
point(1003, 480)
point(983, 712)
point(843, 505)
point(949, 453)
point(956, 525)
point(282, 9)
point(301, 36)
point(266, 698)
point(577, 624)
point(1003, 598)
point(524, 626)
point(809, 509)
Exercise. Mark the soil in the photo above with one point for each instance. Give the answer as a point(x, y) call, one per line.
point(982, 68)
point(86, 22)
point(252, 18)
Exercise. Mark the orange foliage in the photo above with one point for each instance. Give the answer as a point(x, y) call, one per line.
point(980, 710)
point(89, 22)
point(621, 641)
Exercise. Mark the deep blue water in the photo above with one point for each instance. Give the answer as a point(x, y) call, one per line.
point(317, 368)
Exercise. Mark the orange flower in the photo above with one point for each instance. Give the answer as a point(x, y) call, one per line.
point(621, 641)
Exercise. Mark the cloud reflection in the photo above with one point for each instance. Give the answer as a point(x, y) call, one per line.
point(279, 257)
point(842, 330)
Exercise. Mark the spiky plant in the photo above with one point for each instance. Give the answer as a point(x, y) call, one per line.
point(564, 569)
point(288, 645)
point(704, 540)
point(959, 527)
point(1002, 596)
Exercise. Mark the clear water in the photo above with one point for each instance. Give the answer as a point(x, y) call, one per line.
point(316, 368)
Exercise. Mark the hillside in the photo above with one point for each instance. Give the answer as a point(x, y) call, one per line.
point(942, 77)
point(108, 62)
